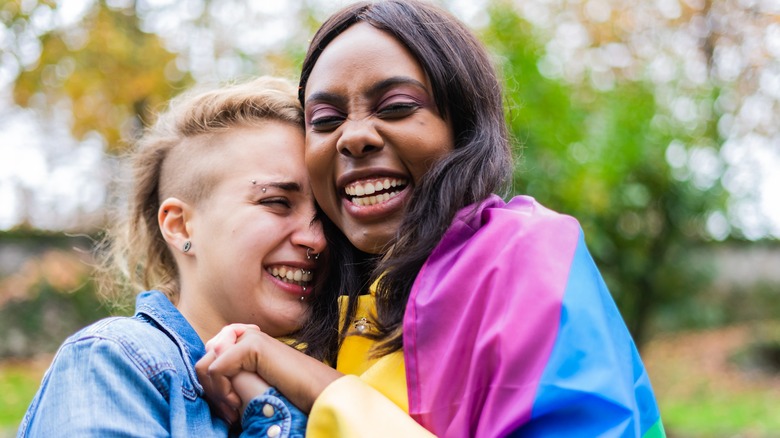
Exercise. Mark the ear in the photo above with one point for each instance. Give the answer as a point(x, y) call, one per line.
point(173, 218)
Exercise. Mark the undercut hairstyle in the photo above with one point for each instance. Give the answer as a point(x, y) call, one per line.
point(172, 159)
point(468, 93)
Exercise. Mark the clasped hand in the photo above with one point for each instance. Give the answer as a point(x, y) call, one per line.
point(229, 370)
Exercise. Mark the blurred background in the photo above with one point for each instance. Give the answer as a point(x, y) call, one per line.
point(655, 122)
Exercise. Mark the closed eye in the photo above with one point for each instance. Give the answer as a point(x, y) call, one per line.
point(324, 117)
point(276, 202)
point(398, 109)
point(326, 123)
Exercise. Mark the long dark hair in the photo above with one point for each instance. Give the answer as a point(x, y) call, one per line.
point(468, 93)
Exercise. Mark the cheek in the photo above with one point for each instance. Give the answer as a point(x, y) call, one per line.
point(320, 167)
point(421, 160)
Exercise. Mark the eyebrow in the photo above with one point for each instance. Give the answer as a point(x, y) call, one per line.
point(286, 186)
point(326, 96)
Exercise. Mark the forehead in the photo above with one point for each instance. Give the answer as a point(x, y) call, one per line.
point(360, 54)
point(268, 150)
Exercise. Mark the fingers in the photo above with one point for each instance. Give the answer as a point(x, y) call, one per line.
point(228, 336)
point(229, 353)
point(222, 398)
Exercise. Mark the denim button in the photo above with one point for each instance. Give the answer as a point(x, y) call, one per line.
point(274, 430)
point(268, 410)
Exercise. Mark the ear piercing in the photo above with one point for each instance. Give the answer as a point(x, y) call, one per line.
point(187, 246)
point(309, 255)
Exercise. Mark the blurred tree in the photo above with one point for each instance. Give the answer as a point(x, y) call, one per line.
point(103, 69)
point(601, 156)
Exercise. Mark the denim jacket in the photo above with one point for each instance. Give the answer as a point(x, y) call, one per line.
point(135, 376)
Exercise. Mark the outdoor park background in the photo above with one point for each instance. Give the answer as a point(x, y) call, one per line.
point(655, 122)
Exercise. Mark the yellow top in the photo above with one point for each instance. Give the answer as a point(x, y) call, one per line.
point(371, 399)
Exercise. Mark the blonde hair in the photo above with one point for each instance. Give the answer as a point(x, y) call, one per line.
point(165, 163)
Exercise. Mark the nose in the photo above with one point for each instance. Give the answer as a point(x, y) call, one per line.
point(359, 138)
point(310, 238)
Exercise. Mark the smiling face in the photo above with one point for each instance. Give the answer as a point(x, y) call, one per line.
point(250, 234)
point(372, 132)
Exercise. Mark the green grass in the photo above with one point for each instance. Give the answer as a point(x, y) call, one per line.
point(710, 415)
point(18, 383)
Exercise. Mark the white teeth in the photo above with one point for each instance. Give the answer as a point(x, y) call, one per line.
point(291, 275)
point(363, 189)
point(373, 200)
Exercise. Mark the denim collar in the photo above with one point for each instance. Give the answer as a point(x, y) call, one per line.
point(155, 306)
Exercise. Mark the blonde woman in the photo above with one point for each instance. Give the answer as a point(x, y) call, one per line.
point(220, 229)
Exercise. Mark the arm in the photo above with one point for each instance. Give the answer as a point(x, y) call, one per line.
point(350, 408)
point(94, 389)
point(301, 378)
point(594, 381)
point(345, 407)
point(266, 412)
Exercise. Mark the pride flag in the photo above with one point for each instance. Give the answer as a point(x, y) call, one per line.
point(511, 331)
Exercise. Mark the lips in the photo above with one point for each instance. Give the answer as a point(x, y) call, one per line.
point(292, 275)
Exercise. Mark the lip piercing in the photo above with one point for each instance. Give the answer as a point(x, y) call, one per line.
point(309, 254)
point(302, 297)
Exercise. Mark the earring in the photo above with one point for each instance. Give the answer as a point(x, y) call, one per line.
point(309, 255)
point(187, 246)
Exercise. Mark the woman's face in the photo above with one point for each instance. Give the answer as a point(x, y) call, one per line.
point(251, 233)
point(372, 132)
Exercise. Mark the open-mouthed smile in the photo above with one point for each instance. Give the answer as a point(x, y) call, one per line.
point(290, 274)
point(374, 191)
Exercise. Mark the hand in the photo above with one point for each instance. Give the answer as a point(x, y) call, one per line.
point(220, 391)
point(299, 377)
point(228, 336)
point(248, 386)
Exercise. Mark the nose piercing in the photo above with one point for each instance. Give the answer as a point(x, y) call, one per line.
point(309, 254)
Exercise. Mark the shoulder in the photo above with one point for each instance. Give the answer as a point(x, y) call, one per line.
point(524, 216)
point(126, 339)
point(512, 229)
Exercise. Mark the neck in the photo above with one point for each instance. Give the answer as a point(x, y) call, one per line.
point(199, 317)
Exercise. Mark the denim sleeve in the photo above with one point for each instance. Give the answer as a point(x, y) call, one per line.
point(94, 388)
point(272, 415)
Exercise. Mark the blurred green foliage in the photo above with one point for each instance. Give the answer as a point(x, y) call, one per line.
point(600, 156)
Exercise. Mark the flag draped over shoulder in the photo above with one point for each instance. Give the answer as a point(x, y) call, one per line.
point(510, 330)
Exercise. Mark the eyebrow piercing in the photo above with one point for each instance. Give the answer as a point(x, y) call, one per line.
point(254, 182)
